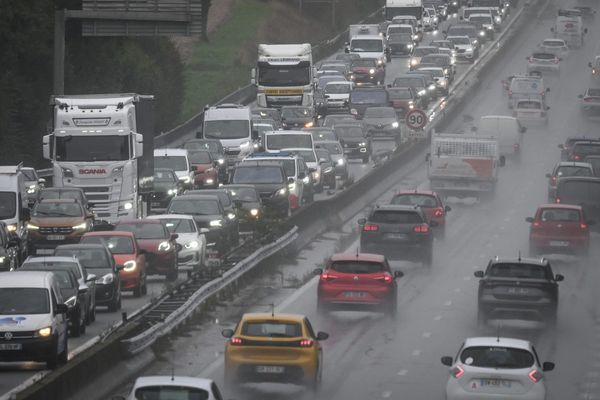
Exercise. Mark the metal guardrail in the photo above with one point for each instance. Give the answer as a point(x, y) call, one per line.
point(140, 342)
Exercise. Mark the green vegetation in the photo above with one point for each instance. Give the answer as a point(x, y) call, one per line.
point(218, 67)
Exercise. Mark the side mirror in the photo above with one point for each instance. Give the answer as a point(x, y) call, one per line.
point(254, 134)
point(61, 309)
point(346, 50)
point(529, 219)
point(559, 278)
point(398, 274)
point(227, 333)
point(447, 360)
point(362, 221)
point(589, 65)
point(91, 278)
point(318, 271)
point(322, 336)
point(478, 274)
point(120, 267)
point(548, 366)
point(447, 208)
point(173, 236)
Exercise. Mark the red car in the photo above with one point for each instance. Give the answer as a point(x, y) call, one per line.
point(206, 173)
point(159, 244)
point(126, 252)
point(357, 280)
point(431, 204)
point(367, 70)
point(403, 99)
point(559, 228)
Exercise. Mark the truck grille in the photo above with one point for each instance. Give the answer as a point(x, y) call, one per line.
point(95, 189)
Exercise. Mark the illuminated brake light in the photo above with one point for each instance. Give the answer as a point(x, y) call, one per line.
point(371, 228)
point(457, 371)
point(421, 228)
point(594, 71)
point(439, 212)
point(306, 343)
point(386, 278)
point(556, 61)
point(576, 157)
point(536, 224)
point(535, 376)
point(583, 226)
point(557, 200)
point(325, 277)
point(236, 341)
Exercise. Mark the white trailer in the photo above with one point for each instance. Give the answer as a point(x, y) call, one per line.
point(394, 8)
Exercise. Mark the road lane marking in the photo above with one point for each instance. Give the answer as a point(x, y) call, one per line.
point(386, 394)
point(416, 353)
point(437, 318)
point(448, 303)
point(426, 334)
point(402, 372)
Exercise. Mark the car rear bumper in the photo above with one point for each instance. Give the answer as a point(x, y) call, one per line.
point(300, 371)
point(454, 391)
point(558, 244)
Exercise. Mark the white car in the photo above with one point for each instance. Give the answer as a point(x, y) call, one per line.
point(441, 81)
point(429, 20)
point(172, 387)
point(532, 111)
point(464, 48)
point(337, 94)
point(191, 241)
point(555, 46)
point(496, 368)
point(540, 61)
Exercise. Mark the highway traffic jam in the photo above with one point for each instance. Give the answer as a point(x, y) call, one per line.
point(471, 276)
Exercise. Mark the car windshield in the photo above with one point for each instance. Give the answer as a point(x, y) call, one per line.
point(364, 62)
point(366, 45)
point(92, 148)
point(194, 206)
point(50, 209)
point(412, 82)
point(481, 19)
point(518, 271)
point(322, 153)
point(62, 193)
point(338, 88)
point(89, 258)
point(220, 193)
point(226, 129)
point(308, 155)
point(272, 329)
point(23, 301)
point(438, 73)
point(531, 105)
point(295, 112)
point(400, 94)
point(573, 170)
point(8, 205)
point(349, 131)
point(170, 392)
point(525, 85)
point(591, 92)
point(51, 265)
point(437, 59)
point(357, 267)
point(176, 163)
point(143, 230)
point(289, 141)
point(368, 97)
point(324, 80)
point(165, 176)
point(460, 31)
point(179, 225)
point(115, 244)
point(258, 175)
point(396, 217)
point(380, 112)
point(553, 43)
point(586, 148)
point(332, 148)
point(559, 214)
point(397, 31)
point(199, 157)
point(401, 37)
point(421, 200)
point(331, 120)
point(497, 357)
point(63, 276)
point(244, 194)
point(422, 51)
point(543, 56)
point(209, 145)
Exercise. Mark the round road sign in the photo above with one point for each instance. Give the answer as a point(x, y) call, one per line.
point(416, 119)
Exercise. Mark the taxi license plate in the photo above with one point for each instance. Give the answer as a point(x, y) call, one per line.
point(270, 369)
point(11, 346)
point(55, 237)
point(355, 294)
point(559, 243)
point(495, 383)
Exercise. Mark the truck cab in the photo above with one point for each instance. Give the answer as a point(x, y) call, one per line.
point(13, 205)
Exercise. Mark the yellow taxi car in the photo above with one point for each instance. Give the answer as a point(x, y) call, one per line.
point(267, 347)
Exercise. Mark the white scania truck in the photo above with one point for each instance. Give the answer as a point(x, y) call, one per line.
point(284, 75)
point(103, 143)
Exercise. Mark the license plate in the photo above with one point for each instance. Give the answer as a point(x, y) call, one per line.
point(44, 251)
point(559, 243)
point(495, 383)
point(11, 346)
point(355, 294)
point(513, 290)
point(55, 237)
point(396, 235)
point(155, 204)
point(270, 369)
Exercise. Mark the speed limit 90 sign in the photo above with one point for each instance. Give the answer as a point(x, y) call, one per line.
point(416, 119)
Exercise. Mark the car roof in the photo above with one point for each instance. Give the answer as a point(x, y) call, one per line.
point(170, 152)
point(366, 37)
point(358, 257)
point(421, 192)
point(51, 259)
point(170, 216)
point(30, 279)
point(164, 380)
point(497, 341)
point(76, 201)
point(268, 316)
point(137, 221)
point(574, 164)
point(109, 233)
point(562, 206)
point(521, 260)
point(239, 185)
point(395, 207)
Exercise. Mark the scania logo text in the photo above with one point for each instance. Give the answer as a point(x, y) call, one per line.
point(91, 171)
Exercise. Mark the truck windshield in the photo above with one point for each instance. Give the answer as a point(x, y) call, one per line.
point(257, 175)
point(284, 75)
point(391, 12)
point(227, 129)
point(92, 148)
point(8, 205)
point(366, 45)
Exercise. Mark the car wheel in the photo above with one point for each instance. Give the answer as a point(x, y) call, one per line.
point(391, 308)
point(138, 290)
point(115, 303)
point(315, 385)
point(53, 360)
point(145, 286)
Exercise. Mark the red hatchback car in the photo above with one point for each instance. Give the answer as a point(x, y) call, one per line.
point(126, 252)
point(431, 204)
point(559, 228)
point(357, 280)
point(159, 244)
point(206, 173)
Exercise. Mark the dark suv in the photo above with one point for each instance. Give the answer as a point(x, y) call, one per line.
point(400, 232)
point(513, 288)
point(581, 191)
point(583, 148)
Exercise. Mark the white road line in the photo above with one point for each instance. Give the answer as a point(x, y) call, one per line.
point(426, 334)
point(402, 372)
point(386, 394)
point(416, 353)
point(448, 303)
point(437, 318)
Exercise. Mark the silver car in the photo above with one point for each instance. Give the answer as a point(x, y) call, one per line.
point(590, 102)
point(555, 46)
point(496, 368)
point(543, 62)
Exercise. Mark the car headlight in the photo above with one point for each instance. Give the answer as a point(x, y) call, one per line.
point(129, 265)
point(409, 46)
point(340, 161)
point(254, 212)
point(372, 71)
point(105, 279)
point(489, 27)
point(395, 124)
point(380, 62)
point(282, 192)
point(216, 223)
point(415, 37)
point(431, 87)
point(328, 170)
point(422, 92)
point(2, 259)
point(443, 83)
point(185, 179)
point(80, 227)
point(362, 144)
point(454, 3)
point(192, 245)
point(413, 61)
point(45, 332)
point(164, 246)
point(221, 161)
point(316, 175)
point(172, 192)
point(71, 301)
point(231, 215)
point(127, 206)
point(309, 124)
point(31, 227)
point(411, 105)
point(446, 71)
point(306, 180)
point(12, 227)
point(292, 186)
point(498, 19)
point(475, 41)
point(353, 111)
point(245, 144)
point(31, 189)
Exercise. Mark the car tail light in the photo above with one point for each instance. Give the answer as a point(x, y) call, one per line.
point(510, 93)
point(536, 225)
point(236, 341)
point(535, 376)
point(594, 71)
point(421, 228)
point(554, 179)
point(576, 157)
point(386, 278)
point(457, 371)
point(326, 277)
point(371, 228)
point(555, 61)
point(306, 343)
point(583, 226)
point(557, 200)
point(439, 212)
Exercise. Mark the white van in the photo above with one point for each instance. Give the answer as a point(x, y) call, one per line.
point(507, 130)
point(13, 202)
point(277, 140)
point(177, 160)
point(368, 46)
point(33, 324)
